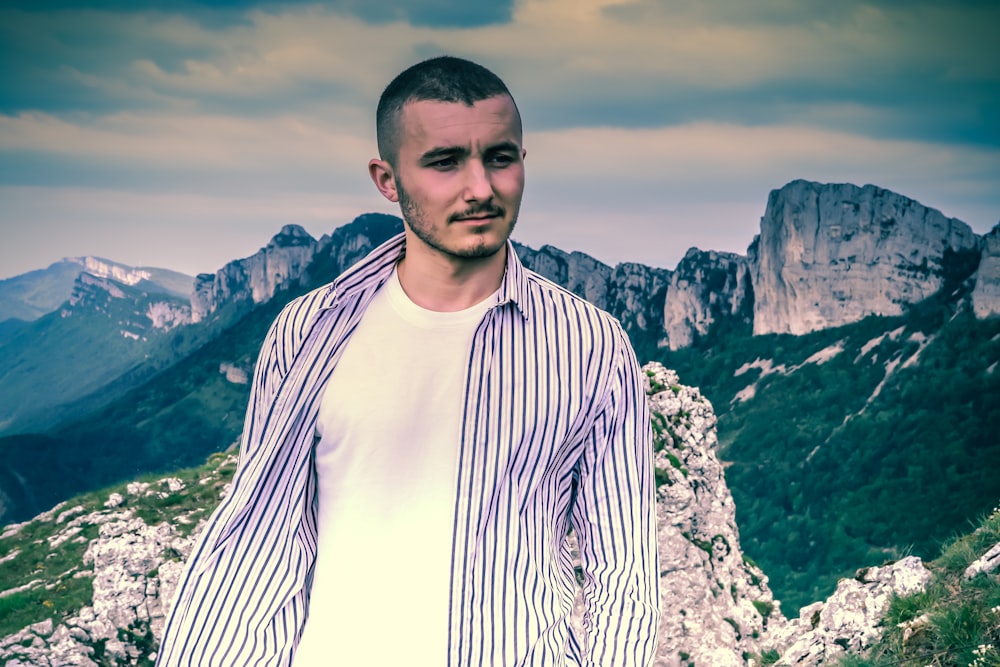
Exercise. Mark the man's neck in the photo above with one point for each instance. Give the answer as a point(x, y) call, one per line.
point(446, 284)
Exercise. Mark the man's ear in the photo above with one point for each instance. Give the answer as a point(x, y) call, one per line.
point(383, 178)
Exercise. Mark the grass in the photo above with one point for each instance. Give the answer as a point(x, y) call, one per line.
point(954, 622)
point(62, 594)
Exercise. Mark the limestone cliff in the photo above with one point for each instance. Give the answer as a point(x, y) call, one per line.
point(631, 292)
point(716, 605)
point(705, 289)
point(255, 279)
point(986, 295)
point(831, 254)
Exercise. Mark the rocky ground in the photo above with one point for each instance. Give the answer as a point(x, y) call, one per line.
point(717, 607)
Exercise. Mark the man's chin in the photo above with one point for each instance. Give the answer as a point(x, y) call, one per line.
point(481, 251)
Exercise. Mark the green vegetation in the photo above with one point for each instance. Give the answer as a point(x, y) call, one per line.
point(956, 621)
point(835, 463)
point(35, 554)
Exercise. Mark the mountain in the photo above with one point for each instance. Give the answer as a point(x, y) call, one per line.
point(183, 401)
point(835, 422)
point(121, 325)
point(104, 333)
point(852, 357)
point(828, 255)
point(90, 581)
point(28, 296)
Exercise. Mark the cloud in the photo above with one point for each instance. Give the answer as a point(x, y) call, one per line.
point(923, 70)
point(670, 119)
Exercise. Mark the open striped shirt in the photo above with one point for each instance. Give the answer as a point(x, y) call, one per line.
point(555, 436)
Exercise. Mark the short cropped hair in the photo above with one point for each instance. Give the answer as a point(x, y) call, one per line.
point(441, 79)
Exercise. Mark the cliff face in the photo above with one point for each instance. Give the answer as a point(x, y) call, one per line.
point(716, 605)
point(631, 292)
point(706, 288)
point(831, 254)
point(986, 294)
point(279, 264)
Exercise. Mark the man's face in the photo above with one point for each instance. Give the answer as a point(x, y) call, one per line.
point(459, 175)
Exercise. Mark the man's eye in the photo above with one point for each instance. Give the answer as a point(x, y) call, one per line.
point(501, 159)
point(443, 163)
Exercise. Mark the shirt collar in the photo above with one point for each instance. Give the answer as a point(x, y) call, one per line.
point(375, 269)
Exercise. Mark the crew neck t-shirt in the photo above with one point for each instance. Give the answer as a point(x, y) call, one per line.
point(386, 462)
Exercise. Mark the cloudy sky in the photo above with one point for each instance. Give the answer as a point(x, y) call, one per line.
point(185, 134)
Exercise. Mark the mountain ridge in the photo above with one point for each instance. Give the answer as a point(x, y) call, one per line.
point(788, 420)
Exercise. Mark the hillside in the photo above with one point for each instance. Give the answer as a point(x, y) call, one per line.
point(89, 582)
point(856, 443)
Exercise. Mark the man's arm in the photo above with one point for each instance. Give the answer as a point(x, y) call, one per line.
point(615, 522)
point(183, 637)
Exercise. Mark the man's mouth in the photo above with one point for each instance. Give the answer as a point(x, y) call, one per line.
point(480, 216)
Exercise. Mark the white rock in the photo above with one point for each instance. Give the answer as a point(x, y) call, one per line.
point(706, 287)
point(831, 254)
point(850, 618)
point(986, 294)
point(136, 488)
point(68, 513)
point(986, 563)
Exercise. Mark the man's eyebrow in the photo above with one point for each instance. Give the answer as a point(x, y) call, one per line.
point(443, 152)
point(440, 152)
point(508, 146)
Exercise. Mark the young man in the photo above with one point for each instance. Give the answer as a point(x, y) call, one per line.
point(424, 432)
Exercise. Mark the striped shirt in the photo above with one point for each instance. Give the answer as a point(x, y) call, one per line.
point(555, 437)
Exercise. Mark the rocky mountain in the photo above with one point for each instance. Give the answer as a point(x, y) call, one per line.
point(986, 295)
point(90, 581)
point(707, 289)
point(28, 296)
point(282, 262)
point(832, 254)
point(631, 292)
point(827, 255)
point(104, 333)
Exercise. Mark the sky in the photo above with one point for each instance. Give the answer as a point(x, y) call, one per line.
point(184, 134)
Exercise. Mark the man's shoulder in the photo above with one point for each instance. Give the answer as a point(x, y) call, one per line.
point(549, 292)
point(293, 319)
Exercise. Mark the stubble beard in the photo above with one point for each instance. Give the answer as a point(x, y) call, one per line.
point(422, 229)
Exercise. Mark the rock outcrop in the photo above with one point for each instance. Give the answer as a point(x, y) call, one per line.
point(716, 604)
point(831, 254)
point(986, 294)
point(134, 566)
point(706, 288)
point(255, 279)
point(717, 608)
point(849, 619)
point(636, 299)
point(117, 272)
point(631, 292)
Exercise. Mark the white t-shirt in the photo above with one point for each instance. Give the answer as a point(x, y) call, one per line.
point(386, 462)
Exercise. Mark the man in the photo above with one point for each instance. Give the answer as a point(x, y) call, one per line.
point(423, 433)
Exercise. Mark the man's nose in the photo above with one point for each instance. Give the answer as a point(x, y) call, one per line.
point(478, 186)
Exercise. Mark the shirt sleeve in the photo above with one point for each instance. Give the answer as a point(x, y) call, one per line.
point(614, 518)
point(185, 640)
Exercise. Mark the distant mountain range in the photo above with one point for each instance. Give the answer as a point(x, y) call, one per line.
point(816, 347)
point(30, 295)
